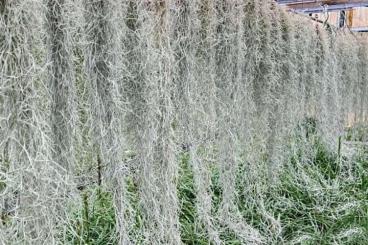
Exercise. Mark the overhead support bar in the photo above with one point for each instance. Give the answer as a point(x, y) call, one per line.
point(318, 6)
point(329, 8)
point(290, 2)
point(359, 29)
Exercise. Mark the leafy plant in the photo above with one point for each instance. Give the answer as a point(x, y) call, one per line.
point(94, 222)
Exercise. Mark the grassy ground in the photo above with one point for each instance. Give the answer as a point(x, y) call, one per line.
point(94, 222)
point(322, 199)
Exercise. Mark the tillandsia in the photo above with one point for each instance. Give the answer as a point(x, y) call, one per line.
point(179, 122)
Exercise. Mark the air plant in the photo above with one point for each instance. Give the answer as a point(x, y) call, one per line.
point(206, 116)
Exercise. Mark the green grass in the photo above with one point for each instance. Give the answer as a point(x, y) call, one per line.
point(357, 132)
point(314, 200)
point(317, 201)
point(4, 168)
point(95, 221)
point(191, 229)
point(192, 232)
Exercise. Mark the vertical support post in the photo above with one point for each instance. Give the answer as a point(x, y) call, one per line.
point(342, 18)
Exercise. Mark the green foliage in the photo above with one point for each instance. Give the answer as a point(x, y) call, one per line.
point(308, 126)
point(319, 205)
point(4, 166)
point(357, 132)
point(95, 221)
point(136, 215)
point(191, 230)
point(314, 202)
point(326, 162)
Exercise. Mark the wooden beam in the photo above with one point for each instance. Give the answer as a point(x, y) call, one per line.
point(349, 19)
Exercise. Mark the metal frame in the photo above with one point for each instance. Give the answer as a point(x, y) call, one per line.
point(319, 6)
point(330, 8)
point(359, 29)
